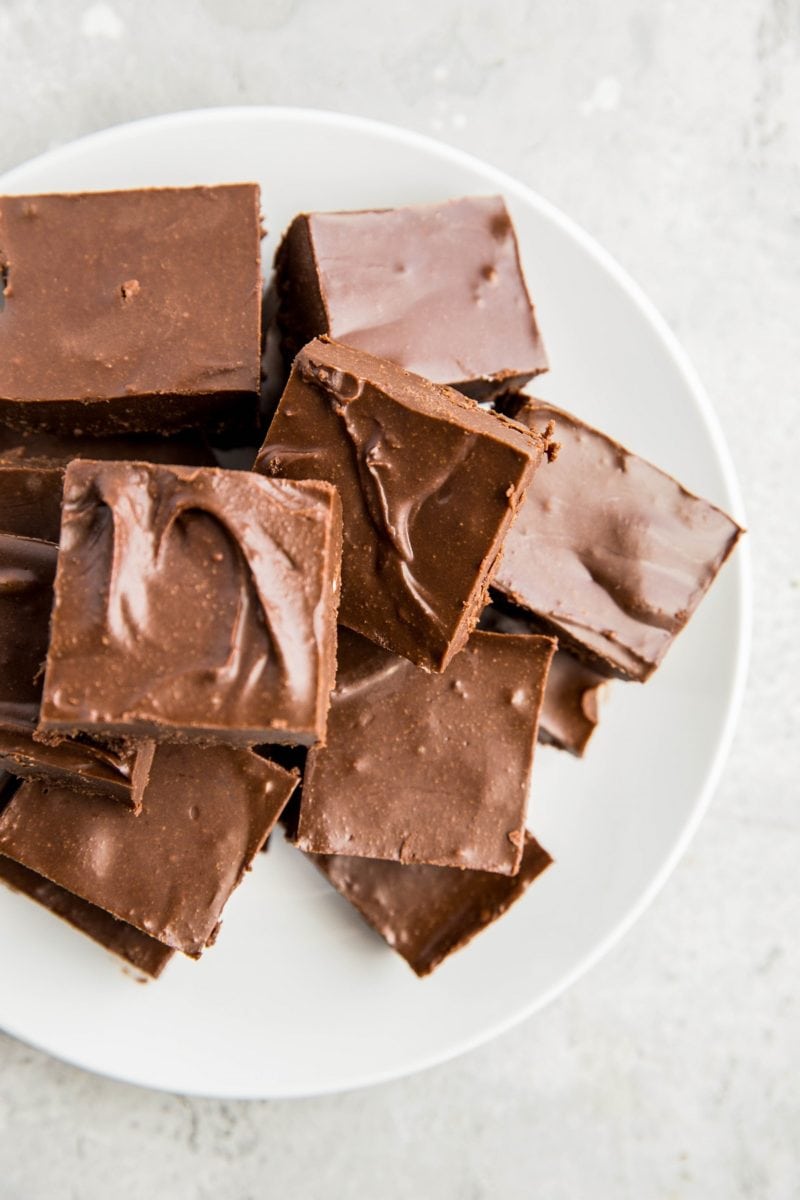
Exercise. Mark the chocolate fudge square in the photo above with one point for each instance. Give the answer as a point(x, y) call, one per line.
point(436, 288)
point(429, 485)
point(30, 500)
point(134, 947)
point(170, 870)
point(609, 553)
point(193, 605)
point(134, 310)
point(424, 768)
point(571, 708)
point(427, 913)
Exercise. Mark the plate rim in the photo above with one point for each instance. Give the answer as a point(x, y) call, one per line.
point(740, 567)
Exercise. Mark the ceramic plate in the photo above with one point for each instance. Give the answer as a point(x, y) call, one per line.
point(298, 997)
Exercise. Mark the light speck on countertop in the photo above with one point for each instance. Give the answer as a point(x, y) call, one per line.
point(672, 132)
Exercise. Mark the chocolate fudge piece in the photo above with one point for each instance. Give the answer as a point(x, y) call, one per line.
point(423, 768)
point(27, 569)
point(426, 913)
point(436, 288)
point(130, 310)
point(429, 485)
point(30, 501)
point(571, 708)
point(136, 948)
point(170, 870)
point(609, 553)
point(118, 769)
point(193, 604)
point(38, 448)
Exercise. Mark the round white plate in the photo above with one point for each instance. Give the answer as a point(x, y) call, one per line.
point(299, 997)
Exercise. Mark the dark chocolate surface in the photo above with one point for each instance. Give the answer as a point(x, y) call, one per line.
point(424, 768)
point(130, 310)
point(119, 770)
point(426, 913)
point(30, 501)
point(38, 448)
point(571, 708)
point(193, 604)
point(136, 948)
point(170, 870)
point(27, 569)
point(436, 288)
point(609, 553)
point(429, 484)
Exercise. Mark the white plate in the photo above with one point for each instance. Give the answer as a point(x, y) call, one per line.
point(298, 997)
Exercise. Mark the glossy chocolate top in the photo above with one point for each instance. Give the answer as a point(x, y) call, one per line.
point(424, 768)
point(30, 501)
point(426, 913)
point(136, 948)
point(571, 708)
point(115, 296)
point(27, 569)
point(429, 484)
point(193, 604)
point(608, 552)
point(436, 288)
point(170, 870)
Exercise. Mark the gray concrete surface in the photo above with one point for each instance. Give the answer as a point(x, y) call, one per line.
point(672, 132)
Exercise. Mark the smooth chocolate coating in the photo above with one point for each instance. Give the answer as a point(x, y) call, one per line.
point(426, 913)
point(423, 768)
point(193, 604)
point(429, 485)
point(436, 288)
point(609, 553)
point(170, 870)
point(119, 769)
point(30, 501)
point(27, 569)
point(38, 448)
point(571, 708)
point(136, 948)
point(135, 310)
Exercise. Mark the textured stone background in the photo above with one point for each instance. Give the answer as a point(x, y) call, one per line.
point(672, 132)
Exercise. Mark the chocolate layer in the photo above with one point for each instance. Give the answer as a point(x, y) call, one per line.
point(30, 501)
point(426, 913)
point(423, 768)
point(135, 310)
point(609, 553)
point(119, 769)
point(429, 485)
point(27, 569)
point(170, 870)
point(571, 708)
point(37, 448)
point(193, 605)
point(436, 288)
point(136, 948)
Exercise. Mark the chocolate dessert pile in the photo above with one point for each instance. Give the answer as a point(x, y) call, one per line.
point(412, 572)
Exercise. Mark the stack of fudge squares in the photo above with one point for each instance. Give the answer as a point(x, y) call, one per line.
point(408, 572)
